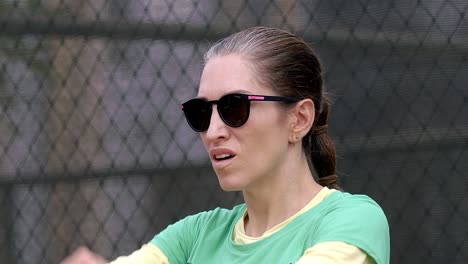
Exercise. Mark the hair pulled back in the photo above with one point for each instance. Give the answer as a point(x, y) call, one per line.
point(290, 67)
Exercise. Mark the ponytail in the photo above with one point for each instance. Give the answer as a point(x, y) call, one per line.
point(321, 150)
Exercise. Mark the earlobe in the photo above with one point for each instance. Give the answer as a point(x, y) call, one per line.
point(294, 138)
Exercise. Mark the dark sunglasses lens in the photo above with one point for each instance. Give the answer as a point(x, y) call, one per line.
point(234, 109)
point(198, 114)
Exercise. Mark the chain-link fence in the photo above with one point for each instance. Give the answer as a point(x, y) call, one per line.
point(94, 149)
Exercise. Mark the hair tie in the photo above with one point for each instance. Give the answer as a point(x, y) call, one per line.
point(328, 180)
point(318, 130)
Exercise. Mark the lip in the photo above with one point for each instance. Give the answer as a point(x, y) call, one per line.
point(219, 151)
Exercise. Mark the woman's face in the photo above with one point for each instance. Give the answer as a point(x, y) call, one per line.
point(248, 156)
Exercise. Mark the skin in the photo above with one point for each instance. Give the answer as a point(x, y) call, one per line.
point(269, 167)
point(83, 255)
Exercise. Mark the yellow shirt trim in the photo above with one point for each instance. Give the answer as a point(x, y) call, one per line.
point(241, 238)
point(334, 252)
point(147, 254)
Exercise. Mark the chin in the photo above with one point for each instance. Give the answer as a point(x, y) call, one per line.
point(229, 181)
point(229, 186)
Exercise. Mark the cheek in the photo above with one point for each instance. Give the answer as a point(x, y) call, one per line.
point(265, 152)
point(270, 120)
point(267, 131)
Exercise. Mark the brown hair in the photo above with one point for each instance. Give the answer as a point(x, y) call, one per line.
point(286, 63)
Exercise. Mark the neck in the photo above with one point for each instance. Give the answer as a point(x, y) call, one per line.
point(282, 196)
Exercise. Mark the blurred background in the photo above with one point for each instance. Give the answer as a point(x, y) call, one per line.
point(94, 149)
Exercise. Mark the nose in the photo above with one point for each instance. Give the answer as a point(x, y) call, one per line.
point(217, 129)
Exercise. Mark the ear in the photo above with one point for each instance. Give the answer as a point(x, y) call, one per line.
point(302, 118)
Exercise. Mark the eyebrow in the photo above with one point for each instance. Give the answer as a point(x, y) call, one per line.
point(240, 91)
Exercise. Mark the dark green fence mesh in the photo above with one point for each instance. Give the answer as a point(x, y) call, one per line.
point(94, 149)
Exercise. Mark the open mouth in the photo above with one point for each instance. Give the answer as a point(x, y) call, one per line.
point(223, 157)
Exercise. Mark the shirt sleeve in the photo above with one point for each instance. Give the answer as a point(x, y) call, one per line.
point(359, 222)
point(147, 254)
point(177, 240)
point(334, 252)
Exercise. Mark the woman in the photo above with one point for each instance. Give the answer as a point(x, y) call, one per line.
point(261, 112)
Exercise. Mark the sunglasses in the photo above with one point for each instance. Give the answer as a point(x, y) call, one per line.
point(234, 109)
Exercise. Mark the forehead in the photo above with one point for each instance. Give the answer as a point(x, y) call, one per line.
point(228, 73)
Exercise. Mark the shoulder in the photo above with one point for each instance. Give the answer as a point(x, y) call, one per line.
point(214, 216)
point(351, 213)
point(354, 207)
point(357, 220)
point(178, 239)
point(220, 212)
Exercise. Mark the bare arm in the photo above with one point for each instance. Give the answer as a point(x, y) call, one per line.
point(83, 255)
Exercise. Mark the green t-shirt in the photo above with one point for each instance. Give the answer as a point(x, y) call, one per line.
point(207, 237)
